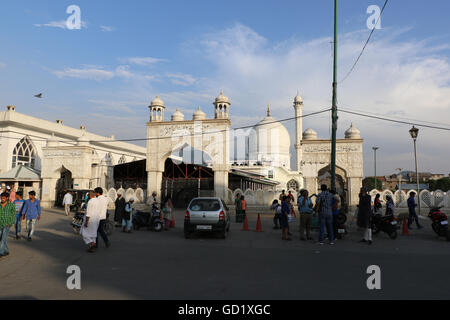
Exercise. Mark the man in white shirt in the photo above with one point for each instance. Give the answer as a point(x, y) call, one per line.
point(102, 208)
point(67, 202)
point(89, 230)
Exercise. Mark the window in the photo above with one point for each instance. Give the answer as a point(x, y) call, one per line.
point(292, 185)
point(24, 153)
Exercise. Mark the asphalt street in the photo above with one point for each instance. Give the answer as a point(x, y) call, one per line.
point(246, 265)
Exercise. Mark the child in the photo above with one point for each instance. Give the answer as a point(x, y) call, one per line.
point(277, 210)
point(18, 203)
point(244, 206)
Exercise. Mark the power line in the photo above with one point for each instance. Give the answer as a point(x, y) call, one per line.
point(401, 118)
point(365, 45)
point(396, 121)
point(183, 135)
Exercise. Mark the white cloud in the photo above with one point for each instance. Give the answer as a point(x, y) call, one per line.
point(107, 28)
point(393, 77)
point(143, 61)
point(98, 73)
point(59, 24)
point(182, 79)
point(85, 73)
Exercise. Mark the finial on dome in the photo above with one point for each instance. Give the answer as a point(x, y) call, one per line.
point(268, 108)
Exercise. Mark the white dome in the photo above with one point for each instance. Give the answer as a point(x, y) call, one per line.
point(352, 133)
point(199, 115)
point(271, 143)
point(177, 116)
point(298, 99)
point(309, 134)
point(157, 102)
point(222, 98)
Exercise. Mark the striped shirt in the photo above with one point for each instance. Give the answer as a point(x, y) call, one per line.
point(7, 215)
point(325, 199)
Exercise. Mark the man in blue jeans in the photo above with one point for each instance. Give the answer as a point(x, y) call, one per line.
point(324, 208)
point(7, 218)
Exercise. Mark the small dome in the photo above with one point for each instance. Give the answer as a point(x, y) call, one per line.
point(222, 98)
point(352, 133)
point(199, 115)
point(309, 134)
point(298, 98)
point(157, 102)
point(177, 116)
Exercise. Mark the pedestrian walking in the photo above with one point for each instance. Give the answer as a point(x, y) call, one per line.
point(31, 211)
point(390, 206)
point(167, 208)
point(324, 208)
point(282, 195)
point(305, 208)
point(238, 206)
point(89, 229)
point(284, 219)
point(103, 209)
point(412, 211)
point(276, 207)
point(127, 217)
point(377, 203)
point(119, 210)
point(7, 218)
point(18, 204)
point(67, 202)
point(364, 219)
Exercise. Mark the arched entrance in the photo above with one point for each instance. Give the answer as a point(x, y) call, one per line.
point(185, 178)
point(324, 177)
point(64, 182)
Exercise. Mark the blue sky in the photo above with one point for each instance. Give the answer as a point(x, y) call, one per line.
point(105, 75)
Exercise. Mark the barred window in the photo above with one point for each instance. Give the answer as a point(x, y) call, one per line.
point(24, 153)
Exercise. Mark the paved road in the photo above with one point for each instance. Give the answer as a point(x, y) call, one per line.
point(247, 265)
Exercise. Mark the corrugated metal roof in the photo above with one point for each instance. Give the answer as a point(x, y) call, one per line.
point(21, 173)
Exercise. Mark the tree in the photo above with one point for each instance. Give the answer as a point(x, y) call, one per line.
point(441, 184)
point(368, 183)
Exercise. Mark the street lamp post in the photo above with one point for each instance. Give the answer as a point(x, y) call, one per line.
point(414, 132)
point(400, 179)
point(375, 166)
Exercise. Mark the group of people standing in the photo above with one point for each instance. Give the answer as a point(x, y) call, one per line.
point(326, 207)
point(12, 212)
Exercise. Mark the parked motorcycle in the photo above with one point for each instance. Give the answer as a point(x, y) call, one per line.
point(79, 218)
point(387, 224)
point(153, 221)
point(340, 229)
point(439, 222)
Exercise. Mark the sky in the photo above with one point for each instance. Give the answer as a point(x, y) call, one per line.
point(105, 74)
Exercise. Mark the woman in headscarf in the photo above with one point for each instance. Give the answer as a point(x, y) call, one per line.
point(390, 206)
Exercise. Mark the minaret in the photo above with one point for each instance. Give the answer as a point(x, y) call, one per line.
point(157, 110)
point(222, 107)
point(298, 106)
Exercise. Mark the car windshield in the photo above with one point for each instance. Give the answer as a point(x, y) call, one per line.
point(205, 205)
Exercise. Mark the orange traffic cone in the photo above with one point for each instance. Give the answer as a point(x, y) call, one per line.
point(258, 224)
point(245, 224)
point(172, 223)
point(405, 228)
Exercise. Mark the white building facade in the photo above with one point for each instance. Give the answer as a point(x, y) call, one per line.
point(65, 157)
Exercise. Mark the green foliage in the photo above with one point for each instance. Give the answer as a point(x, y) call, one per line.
point(368, 183)
point(441, 184)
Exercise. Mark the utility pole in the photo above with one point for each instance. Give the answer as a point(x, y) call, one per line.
point(334, 116)
point(375, 167)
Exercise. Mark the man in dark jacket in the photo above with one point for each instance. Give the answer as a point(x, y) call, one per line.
point(120, 210)
point(365, 215)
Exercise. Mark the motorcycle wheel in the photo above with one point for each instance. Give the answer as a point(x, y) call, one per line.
point(158, 226)
point(435, 228)
point(341, 218)
point(393, 235)
point(375, 229)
